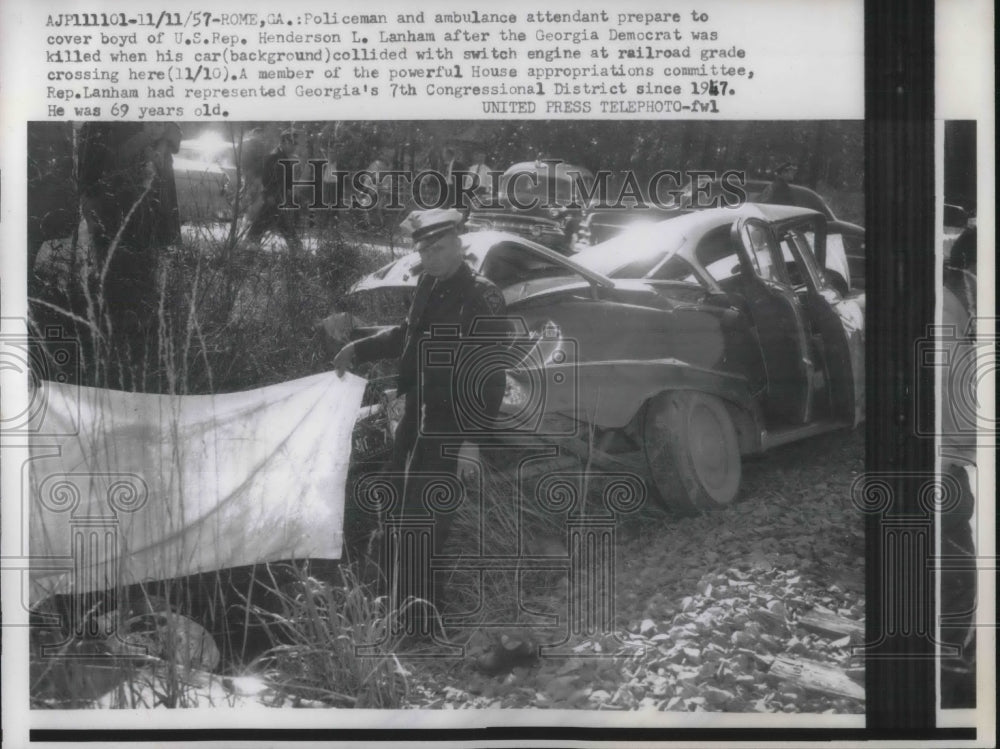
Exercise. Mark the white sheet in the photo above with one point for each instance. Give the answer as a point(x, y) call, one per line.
point(128, 486)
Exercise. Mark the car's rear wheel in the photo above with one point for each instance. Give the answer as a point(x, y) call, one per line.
point(692, 450)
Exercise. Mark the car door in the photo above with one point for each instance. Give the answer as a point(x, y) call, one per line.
point(836, 319)
point(780, 323)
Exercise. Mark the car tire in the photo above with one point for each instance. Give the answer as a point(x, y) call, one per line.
point(692, 451)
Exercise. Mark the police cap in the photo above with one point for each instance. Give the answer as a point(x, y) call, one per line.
point(425, 227)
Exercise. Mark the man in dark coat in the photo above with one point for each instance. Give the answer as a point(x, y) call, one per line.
point(453, 308)
point(129, 200)
point(779, 192)
point(267, 214)
point(449, 293)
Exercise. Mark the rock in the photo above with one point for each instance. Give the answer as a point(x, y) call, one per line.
point(704, 621)
point(560, 688)
point(661, 687)
point(711, 655)
point(693, 655)
point(770, 620)
point(647, 627)
point(688, 690)
point(795, 645)
point(707, 670)
point(777, 607)
point(671, 703)
point(717, 697)
point(245, 685)
point(599, 697)
point(770, 643)
point(742, 639)
point(719, 638)
point(697, 703)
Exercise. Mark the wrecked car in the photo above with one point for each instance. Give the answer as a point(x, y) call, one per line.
point(693, 341)
point(845, 240)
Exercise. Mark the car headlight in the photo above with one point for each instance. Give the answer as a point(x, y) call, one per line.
point(536, 230)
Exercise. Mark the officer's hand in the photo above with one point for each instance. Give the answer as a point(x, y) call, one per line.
point(344, 359)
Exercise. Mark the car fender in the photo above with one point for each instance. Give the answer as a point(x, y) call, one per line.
point(610, 394)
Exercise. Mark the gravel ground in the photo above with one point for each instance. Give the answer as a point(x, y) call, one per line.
point(705, 604)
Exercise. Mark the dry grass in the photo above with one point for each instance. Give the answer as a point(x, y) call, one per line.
point(316, 637)
point(225, 317)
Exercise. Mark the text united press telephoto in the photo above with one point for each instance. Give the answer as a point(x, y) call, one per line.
point(446, 414)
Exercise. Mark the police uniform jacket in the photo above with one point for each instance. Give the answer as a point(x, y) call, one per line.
point(454, 303)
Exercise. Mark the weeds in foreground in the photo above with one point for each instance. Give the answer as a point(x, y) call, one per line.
point(316, 637)
point(220, 319)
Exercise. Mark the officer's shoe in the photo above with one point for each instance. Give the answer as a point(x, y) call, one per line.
point(506, 655)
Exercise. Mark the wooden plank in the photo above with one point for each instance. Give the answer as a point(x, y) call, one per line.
point(832, 625)
point(816, 677)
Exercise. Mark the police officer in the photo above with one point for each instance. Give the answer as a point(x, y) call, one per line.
point(449, 295)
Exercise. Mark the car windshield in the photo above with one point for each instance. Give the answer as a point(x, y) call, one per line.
point(635, 253)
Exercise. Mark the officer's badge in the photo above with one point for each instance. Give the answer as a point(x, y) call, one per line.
point(494, 300)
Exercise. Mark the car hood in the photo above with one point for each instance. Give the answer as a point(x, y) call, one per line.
point(405, 271)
